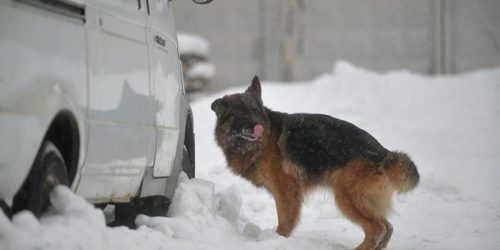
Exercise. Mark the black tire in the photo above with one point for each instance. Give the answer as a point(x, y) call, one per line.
point(48, 171)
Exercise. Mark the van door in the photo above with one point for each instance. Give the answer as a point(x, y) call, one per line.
point(122, 136)
point(166, 82)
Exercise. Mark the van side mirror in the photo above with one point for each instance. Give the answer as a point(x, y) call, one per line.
point(202, 1)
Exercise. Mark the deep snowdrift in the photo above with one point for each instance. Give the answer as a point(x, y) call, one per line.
point(449, 125)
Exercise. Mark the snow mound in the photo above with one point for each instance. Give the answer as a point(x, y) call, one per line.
point(199, 213)
point(51, 232)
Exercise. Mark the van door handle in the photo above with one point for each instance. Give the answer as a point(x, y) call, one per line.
point(160, 40)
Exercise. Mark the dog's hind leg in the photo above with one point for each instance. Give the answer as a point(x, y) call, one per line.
point(373, 228)
point(387, 236)
point(364, 197)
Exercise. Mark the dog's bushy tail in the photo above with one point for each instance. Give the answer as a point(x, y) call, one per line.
point(401, 171)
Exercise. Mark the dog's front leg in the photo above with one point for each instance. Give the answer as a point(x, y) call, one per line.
point(288, 196)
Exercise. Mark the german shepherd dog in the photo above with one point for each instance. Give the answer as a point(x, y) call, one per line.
point(291, 154)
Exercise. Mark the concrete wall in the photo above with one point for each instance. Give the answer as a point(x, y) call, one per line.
point(473, 35)
point(300, 39)
point(380, 35)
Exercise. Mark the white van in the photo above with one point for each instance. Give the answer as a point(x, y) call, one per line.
point(92, 96)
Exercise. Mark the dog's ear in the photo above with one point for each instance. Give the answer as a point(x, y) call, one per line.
point(219, 106)
point(255, 88)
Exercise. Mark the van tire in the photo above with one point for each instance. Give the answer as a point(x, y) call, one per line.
point(48, 171)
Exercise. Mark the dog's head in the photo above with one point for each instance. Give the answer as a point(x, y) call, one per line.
point(241, 118)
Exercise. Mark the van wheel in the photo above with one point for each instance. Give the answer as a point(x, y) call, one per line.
point(48, 171)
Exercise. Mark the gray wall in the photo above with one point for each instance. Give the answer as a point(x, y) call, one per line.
point(233, 29)
point(300, 39)
point(473, 35)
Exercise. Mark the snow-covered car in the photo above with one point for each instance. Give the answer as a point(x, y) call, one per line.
point(197, 70)
point(92, 96)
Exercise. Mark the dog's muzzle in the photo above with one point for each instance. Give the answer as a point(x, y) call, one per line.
point(252, 134)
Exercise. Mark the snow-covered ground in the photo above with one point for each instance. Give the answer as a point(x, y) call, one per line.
point(449, 125)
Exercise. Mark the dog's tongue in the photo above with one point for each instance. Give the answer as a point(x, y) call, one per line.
point(258, 130)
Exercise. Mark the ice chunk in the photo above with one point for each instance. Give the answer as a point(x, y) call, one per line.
point(158, 223)
point(251, 230)
point(229, 204)
point(193, 196)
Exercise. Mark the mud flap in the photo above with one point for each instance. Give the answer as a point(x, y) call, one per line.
point(126, 213)
point(6, 209)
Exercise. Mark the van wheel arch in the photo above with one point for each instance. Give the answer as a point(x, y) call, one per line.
point(64, 134)
point(56, 163)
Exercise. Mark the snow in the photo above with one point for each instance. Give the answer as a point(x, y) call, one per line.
point(448, 124)
point(191, 44)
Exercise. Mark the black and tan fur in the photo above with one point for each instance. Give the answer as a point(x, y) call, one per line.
point(299, 152)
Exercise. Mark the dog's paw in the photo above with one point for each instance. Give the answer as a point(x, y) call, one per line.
point(268, 234)
point(253, 231)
